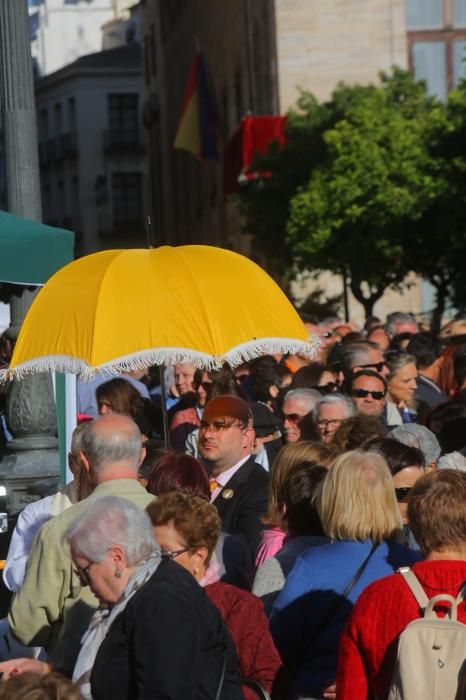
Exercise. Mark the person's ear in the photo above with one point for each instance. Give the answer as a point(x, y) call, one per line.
point(118, 556)
point(249, 437)
point(198, 561)
point(84, 461)
point(273, 391)
point(142, 455)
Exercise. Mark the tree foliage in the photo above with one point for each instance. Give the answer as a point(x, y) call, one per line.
point(366, 185)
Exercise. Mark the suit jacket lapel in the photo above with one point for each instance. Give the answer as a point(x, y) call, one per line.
point(221, 503)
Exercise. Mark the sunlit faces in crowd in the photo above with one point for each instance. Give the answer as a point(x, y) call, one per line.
point(402, 377)
point(368, 390)
point(297, 404)
point(184, 375)
point(330, 412)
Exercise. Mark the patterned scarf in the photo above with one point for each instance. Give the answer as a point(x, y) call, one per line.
point(101, 621)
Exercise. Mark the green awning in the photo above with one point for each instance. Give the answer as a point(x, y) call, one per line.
point(30, 252)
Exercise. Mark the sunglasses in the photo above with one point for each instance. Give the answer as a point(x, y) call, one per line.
point(326, 388)
point(205, 385)
point(378, 366)
point(293, 417)
point(402, 493)
point(363, 393)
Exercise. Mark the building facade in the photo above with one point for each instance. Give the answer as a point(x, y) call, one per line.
point(259, 53)
point(91, 151)
point(63, 30)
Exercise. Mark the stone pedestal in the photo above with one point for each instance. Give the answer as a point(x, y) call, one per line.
point(31, 409)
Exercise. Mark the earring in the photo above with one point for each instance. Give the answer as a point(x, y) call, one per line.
point(117, 573)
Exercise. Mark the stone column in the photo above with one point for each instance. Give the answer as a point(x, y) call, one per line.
point(31, 410)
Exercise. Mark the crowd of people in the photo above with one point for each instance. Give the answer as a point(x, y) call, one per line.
point(298, 517)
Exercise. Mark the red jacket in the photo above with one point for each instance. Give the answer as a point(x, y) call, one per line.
point(244, 616)
point(369, 645)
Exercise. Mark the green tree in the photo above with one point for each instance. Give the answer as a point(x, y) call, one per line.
point(356, 180)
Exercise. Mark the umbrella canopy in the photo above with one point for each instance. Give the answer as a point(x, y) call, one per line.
point(30, 251)
point(128, 309)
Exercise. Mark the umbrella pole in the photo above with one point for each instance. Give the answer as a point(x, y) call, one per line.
point(163, 388)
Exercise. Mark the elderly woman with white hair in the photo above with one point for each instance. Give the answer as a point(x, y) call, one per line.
point(155, 633)
point(359, 513)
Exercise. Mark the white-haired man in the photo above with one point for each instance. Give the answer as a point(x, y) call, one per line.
point(52, 609)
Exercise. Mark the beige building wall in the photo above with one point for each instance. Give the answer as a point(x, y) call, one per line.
point(322, 42)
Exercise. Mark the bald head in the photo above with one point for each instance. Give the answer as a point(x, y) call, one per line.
point(112, 443)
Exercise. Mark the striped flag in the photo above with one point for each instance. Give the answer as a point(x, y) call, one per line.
point(197, 126)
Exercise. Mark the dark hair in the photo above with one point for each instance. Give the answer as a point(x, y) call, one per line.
point(227, 384)
point(425, 347)
point(307, 377)
point(437, 510)
point(122, 397)
point(178, 472)
point(397, 455)
point(155, 449)
point(355, 354)
point(352, 337)
point(356, 431)
point(397, 341)
point(297, 494)
point(459, 365)
point(263, 375)
point(364, 373)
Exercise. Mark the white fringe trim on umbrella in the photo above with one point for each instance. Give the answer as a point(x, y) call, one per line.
point(168, 356)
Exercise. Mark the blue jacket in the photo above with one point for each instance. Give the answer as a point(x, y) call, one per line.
point(309, 614)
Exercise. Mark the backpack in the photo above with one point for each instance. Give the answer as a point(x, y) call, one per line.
point(431, 658)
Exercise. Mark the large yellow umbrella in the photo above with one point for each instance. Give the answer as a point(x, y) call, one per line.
point(127, 309)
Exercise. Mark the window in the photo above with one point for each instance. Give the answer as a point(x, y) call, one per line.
point(71, 114)
point(57, 118)
point(459, 13)
point(459, 61)
point(424, 14)
point(429, 62)
point(127, 198)
point(123, 118)
point(43, 124)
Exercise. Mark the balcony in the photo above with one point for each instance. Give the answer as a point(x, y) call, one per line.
point(121, 142)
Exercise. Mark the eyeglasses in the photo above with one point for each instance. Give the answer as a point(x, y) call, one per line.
point(325, 422)
point(326, 388)
point(402, 493)
point(218, 426)
point(83, 574)
point(293, 417)
point(172, 554)
point(363, 393)
point(378, 366)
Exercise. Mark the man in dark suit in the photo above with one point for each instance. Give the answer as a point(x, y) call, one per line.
point(238, 485)
point(427, 351)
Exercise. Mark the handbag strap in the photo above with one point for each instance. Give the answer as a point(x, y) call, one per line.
point(359, 572)
point(330, 614)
